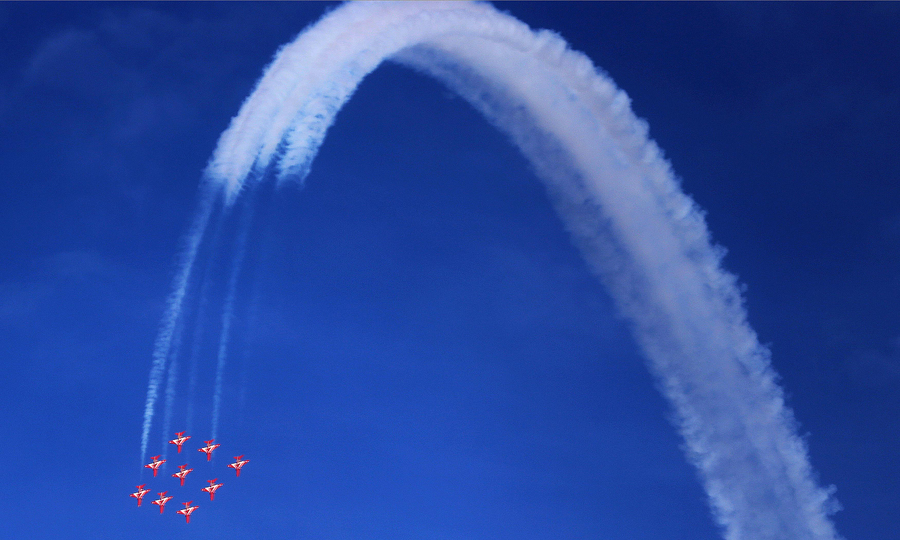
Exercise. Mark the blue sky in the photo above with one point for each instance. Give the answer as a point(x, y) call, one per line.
point(418, 350)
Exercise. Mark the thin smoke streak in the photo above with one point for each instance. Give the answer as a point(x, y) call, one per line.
point(199, 329)
point(163, 342)
point(252, 321)
point(262, 253)
point(192, 386)
point(171, 384)
point(173, 370)
point(647, 241)
point(174, 364)
point(228, 312)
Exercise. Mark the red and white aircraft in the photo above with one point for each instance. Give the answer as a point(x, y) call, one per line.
point(238, 463)
point(155, 465)
point(187, 510)
point(161, 501)
point(179, 439)
point(209, 448)
point(139, 494)
point(211, 488)
point(182, 473)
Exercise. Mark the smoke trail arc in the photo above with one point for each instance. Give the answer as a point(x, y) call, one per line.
point(644, 238)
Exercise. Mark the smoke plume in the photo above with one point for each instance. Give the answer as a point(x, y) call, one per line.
point(645, 239)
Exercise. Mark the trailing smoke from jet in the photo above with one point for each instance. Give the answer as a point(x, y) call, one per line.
point(171, 386)
point(228, 312)
point(646, 240)
point(163, 344)
point(200, 326)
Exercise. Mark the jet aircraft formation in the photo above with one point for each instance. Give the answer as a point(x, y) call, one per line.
point(183, 471)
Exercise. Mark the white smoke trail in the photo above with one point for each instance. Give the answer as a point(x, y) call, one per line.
point(252, 322)
point(200, 326)
point(163, 343)
point(228, 313)
point(192, 386)
point(174, 364)
point(620, 201)
point(171, 387)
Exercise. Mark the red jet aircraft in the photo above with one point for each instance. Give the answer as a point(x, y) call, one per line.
point(179, 440)
point(155, 465)
point(139, 494)
point(182, 473)
point(211, 488)
point(209, 448)
point(161, 501)
point(187, 510)
point(238, 463)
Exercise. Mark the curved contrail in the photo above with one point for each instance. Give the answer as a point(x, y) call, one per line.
point(638, 231)
point(200, 326)
point(171, 387)
point(163, 344)
point(228, 313)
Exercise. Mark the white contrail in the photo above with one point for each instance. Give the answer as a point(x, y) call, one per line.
point(171, 384)
point(638, 231)
point(252, 321)
point(163, 343)
point(198, 333)
point(228, 312)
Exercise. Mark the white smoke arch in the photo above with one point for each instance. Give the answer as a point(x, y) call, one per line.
point(638, 231)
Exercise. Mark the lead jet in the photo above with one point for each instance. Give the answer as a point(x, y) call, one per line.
point(211, 488)
point(139, 494)
point(182, 473)
point(209, 448)
point(179, 439)
point(155, 465)
point(162, 500)
point(187, 510)
point(238, 463)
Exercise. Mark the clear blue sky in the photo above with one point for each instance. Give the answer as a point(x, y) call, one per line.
point(418, 351)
